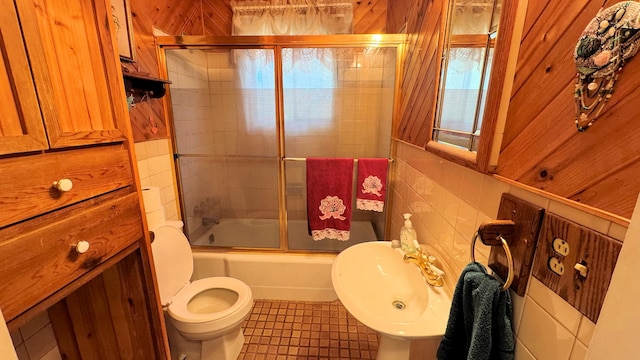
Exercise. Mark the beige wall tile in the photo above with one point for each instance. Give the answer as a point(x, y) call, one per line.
point(522, 353)
point(617, 232)
point(518, 307)
point(552, 303)
point(41, 343)
point(530, 197)
point(471, 188)
point(579, 351)
point(585, 331)
point(492, 191)
point(542, 335)
point(580, 217)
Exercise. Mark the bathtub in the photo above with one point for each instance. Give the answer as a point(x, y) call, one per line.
point(265, 233)
point(274, 276)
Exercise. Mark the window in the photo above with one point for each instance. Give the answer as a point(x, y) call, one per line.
point(467, 60)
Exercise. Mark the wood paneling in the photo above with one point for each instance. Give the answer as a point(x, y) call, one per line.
point(202, 17)
point(421, 70)
point(541, 146)
point(96, 323)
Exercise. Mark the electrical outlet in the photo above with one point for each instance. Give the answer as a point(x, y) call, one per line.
point(556, 265)
point(560, 246)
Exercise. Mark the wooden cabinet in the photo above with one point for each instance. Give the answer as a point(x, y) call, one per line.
point(21, 127)
point(44, 252)
point(71, 67)
point(69, 178)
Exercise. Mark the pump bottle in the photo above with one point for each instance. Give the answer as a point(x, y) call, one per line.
point(408, 236)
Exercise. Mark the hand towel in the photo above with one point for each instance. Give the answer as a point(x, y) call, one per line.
point(372, 184)
point(329, 190)
point(479, 325)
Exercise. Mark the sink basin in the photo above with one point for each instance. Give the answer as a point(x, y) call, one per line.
point(389, 296)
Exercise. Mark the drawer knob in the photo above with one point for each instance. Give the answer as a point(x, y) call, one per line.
point(63, 185)
point(82, 247)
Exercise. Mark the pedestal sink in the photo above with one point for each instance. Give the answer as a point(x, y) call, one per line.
point(389, 296)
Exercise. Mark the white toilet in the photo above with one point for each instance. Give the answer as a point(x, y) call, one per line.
point(204, 317)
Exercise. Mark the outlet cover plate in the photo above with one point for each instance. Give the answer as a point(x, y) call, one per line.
point(598, 252)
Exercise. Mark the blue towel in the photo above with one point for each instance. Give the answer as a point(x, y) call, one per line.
point(479, 325)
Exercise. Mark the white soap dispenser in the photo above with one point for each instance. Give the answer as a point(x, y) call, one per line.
point(408, 235)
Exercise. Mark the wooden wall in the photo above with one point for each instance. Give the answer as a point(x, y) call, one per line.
point(422, 65)
point(541, 146)
point(202, 17)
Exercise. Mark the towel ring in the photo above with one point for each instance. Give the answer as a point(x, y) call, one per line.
point(505, 246)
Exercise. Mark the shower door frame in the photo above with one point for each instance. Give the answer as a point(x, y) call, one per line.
point(277, 43)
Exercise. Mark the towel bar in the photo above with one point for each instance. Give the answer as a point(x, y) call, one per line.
point(305, 159)
point(505, 246)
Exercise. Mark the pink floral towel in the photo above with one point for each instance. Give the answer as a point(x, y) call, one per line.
point(372, 184)
point(329, 183)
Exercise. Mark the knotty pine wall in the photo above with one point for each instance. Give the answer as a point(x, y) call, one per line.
point(202, 17)
point(541, 146)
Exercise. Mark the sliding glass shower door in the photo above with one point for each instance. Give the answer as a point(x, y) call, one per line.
point(226, 149)
point(245, 118)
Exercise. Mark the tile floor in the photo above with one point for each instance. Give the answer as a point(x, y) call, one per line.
point(288, 330)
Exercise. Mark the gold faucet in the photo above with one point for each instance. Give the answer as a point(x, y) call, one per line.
point(425, 264)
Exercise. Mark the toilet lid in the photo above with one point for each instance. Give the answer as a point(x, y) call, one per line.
point(173, 261)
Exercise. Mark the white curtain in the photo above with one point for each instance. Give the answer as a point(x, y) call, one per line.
point(471, 17)
point(303, 68)
point(296, 17)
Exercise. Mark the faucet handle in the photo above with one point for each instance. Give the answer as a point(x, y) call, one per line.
point(431, 259)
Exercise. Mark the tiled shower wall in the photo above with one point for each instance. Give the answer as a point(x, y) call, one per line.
point(449, 202)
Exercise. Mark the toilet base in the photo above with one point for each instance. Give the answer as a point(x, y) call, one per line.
point(223, 347)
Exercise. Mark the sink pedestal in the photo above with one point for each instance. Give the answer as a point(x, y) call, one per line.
point(392, 348)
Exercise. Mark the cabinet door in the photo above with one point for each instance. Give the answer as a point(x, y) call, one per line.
point(75, 70)
point(21, 126)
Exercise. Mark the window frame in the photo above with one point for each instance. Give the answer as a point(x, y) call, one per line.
point(498, 93)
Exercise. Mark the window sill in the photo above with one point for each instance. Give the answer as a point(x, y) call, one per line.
point(462, 157)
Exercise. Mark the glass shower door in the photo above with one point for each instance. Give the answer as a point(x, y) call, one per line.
point(226, 149)
point(338, 103)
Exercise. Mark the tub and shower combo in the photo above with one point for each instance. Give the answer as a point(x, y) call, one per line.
point(245, 115)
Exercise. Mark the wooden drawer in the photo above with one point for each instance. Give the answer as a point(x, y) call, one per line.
point(26, 185)
point(37, 263)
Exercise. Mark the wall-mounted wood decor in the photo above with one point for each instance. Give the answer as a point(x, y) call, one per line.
point(576, 263)
point(521, 237)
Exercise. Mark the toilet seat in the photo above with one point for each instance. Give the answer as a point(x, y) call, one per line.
point(178, 309)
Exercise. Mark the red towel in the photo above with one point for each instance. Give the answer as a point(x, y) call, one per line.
point(329, 183)
point(372, 184)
